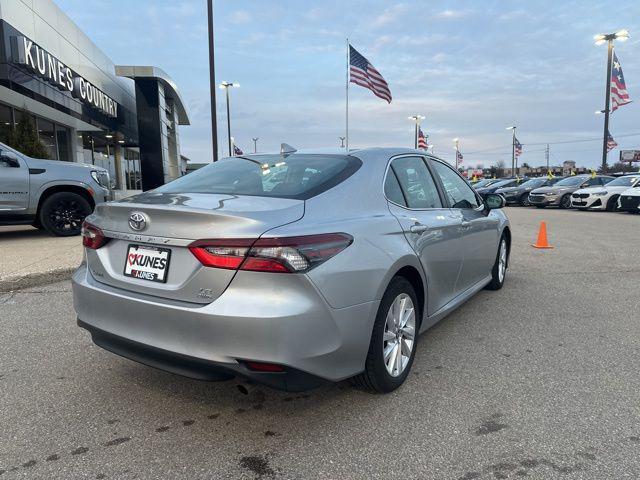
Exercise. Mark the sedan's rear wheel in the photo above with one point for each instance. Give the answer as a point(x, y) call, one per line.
point(524, 200)
point(393, 341)
point(565, 201)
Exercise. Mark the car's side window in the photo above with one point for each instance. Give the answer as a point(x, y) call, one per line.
point(392, 189)
point(416, 182)
point(8, 162)
point(460, 194)
point(594, 181)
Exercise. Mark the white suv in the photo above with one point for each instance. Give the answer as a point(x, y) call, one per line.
point(604, 197)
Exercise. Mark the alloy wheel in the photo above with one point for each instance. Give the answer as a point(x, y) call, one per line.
point(399, 335)
point(67, 215)
point(502, 261)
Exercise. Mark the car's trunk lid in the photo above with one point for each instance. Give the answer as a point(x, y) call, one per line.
point(172, 222)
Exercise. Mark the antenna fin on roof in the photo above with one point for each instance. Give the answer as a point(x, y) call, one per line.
point(286, 149)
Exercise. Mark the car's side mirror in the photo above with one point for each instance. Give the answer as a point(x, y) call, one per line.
point(493, 201)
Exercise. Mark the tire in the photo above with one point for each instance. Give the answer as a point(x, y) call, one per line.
point(612, 204)
point(565, 201)
point(62, 214)
point(499, 270)
point(377, 377)
point(524, 200)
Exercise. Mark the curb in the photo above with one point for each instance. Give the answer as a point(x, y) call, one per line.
point(35, 279)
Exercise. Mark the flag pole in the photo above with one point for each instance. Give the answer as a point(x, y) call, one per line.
point(347, 99)
point(607, 107)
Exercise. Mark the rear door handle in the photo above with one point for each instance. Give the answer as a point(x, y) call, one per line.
point(418, 228)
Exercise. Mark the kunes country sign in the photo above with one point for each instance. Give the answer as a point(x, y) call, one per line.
point(45, 65)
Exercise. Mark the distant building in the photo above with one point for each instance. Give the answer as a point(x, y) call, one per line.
point(192, 167)
point(568, 166)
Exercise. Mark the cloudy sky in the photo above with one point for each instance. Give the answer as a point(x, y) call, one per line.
point(473, 68)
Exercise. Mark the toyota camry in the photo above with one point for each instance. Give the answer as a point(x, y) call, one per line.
point(290, 269)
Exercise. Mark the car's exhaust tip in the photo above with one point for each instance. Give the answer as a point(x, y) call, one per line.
point(243, 389)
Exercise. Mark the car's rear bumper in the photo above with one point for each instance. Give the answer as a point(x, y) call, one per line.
point(289, 379)
point(285, 322)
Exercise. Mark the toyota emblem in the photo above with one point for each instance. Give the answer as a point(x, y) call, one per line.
point(138, 221)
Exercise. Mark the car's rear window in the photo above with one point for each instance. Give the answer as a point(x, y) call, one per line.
point(298, 176)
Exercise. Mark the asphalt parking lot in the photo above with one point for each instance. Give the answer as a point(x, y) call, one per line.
point(539, 380)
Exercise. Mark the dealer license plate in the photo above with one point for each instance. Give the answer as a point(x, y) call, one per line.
point(147, 263)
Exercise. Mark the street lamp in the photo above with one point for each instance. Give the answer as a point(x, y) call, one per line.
point(225, 86)
point(621, 35)
point(212, 82)
point(342, 141)
point(417, 119)
point(457, 149)
point(255, 144)
point(513, 149)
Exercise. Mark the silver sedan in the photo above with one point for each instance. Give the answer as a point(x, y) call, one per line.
point(290, 269)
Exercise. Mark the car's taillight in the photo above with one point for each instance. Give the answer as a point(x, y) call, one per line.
point(278, 255)
point(92, 236)
point(221, 253)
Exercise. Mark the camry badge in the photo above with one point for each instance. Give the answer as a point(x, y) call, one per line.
point(138, 221)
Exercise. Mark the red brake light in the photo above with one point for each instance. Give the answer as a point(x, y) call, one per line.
point(227, 254)
point(92, 236)
point(277, 255)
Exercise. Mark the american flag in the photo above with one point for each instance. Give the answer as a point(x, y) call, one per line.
point(611, 143)
point(518, 147)
point(364, 74)
point(619, 94)
point(422, 141)
point(237, 151)
point(459, 156)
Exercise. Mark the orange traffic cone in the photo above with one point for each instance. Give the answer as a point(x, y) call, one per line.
point(542, 237)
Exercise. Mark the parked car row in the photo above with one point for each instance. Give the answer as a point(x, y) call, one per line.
point(582, 192)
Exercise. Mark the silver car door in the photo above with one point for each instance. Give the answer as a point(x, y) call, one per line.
point(479, 230)
point(14, 183)
point(431, 229)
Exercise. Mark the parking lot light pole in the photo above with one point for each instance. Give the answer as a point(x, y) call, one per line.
point(457, 148)
point(226, 86)
point(601, 38)
point(342, 141)
point(255, 144)
point(212, 82)
point(417, 119)
point(513, 149)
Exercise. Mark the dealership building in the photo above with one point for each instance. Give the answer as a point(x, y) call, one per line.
point(83, 106)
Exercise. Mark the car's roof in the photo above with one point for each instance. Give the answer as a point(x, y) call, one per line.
point(362, 153)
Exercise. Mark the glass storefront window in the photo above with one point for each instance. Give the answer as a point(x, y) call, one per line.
point(132, 169)
point(47, 136)
point(62, 138)
point(6, 123)
point(103, 155)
